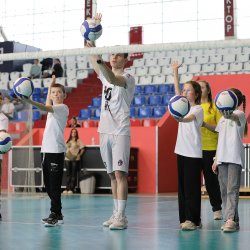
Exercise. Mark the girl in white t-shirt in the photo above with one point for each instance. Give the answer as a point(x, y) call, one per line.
point(189, 155)
point(230, 159)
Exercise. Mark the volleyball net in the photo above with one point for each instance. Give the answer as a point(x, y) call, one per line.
point(150, 64)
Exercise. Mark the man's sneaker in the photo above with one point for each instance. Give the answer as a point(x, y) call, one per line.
point(70, 192)
point(188, 226)
point(108, 222)
point(0, 217)
point(52, 215)
point(231, 226)
point(120, 222)
point(218, 215)
point(65, 192)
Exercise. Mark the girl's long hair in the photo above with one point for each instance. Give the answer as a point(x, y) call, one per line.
point(197, 89)
point(209, 95)
point(70, 136)
point(241, 100)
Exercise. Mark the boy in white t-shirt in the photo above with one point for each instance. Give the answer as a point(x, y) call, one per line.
point(53, 148)
point(4, 123)
point(114, 128)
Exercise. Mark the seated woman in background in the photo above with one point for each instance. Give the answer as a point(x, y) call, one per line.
point(75, 149)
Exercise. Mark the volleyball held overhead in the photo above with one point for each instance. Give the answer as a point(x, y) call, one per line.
point(178, 106)
point(23, 87)
point(5, 142)
point(226, 101)
point(90, 30)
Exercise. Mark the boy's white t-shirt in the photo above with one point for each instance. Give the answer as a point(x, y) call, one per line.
point(230, 148)
point(188, 141)
point(115, 107)
point(53, 137)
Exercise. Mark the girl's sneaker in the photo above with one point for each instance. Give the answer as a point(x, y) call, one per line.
point(188, 226)
point(231, 226)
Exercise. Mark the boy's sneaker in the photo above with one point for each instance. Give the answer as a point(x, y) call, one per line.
point(53, 215)
point(231, 226)
point(120, 222)
point(108, 222)
point(0, 217)
point(218, 215)
point(188, 226)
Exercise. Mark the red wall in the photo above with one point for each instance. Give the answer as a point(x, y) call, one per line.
point(143, 138)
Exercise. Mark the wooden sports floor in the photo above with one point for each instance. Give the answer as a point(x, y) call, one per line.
point(153, 224)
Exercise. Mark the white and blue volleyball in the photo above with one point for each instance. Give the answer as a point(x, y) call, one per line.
point(226, 101)
point(23, 87)
point(179, 106)
point(5, 142)
point(90, 31)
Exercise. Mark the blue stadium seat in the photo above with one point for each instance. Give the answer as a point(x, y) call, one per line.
point(165, 99)
point(37, 92)
point(164, 89)
point(132, 112)
point(139, 100)
point(159, 111)
point(84, 114)
point(36, 115)
point(36, 98)
point(150, 89)
point(97, 114)
point(138, 90)
point(144, 112)
point(45, 91)
point(96, 102)
point(154, 100)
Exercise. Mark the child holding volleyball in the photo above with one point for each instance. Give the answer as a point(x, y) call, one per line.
point(114, 128)
point(230, 159)
point(53, 148)
point(189, 155)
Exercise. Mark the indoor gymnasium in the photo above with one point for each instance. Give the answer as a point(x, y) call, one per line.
point(124, 124)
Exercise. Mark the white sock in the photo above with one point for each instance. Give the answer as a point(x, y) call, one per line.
point(122, 206)
point(115, 204)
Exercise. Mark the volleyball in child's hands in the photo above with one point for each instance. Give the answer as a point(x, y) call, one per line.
point(226, 101)
point(178, 106)
point(90, 30)
point(5, 142)
point(23, 87)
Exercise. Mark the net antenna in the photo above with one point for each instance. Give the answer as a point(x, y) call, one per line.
point(2, 34)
